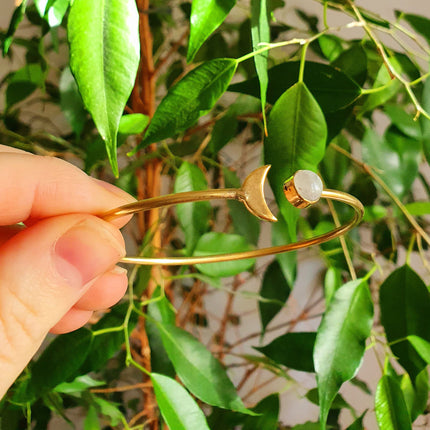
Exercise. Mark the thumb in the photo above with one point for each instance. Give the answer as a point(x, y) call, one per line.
point(44, 270)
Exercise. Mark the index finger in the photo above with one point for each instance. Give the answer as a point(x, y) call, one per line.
point(34, 187)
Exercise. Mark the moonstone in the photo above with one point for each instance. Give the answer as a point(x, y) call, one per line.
point(308, 185)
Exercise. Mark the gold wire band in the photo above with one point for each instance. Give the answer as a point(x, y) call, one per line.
point(251, 194)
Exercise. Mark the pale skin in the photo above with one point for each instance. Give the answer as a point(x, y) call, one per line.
point(59, 268)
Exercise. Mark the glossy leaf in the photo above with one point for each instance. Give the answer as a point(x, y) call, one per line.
point(405, 310)
point(79, 384)
point(331, 46)
point(268, 410)
point(206, 17)
point(403, 121)
point(422, 346)
point(223, 132)
point(245, 224)
point(52, 11)
point(415, 394)
point(60, 360)
point(293, 350)
point(307, 426)
point(71, 102)
point(190, 98)
point(260, 32)
point(161, 310)
point(193, 217)
point(17, 17)
point(221, 243)
point(297, 135)
point(273, 287)
point(338, 402)
point(340, 341)
point(395, 156)
point(390, 406)
point(353, 62)
point(104, 56)
point(388, 87)
point(177, 407)
point(198, 369)
point(331, 88)
point(134, 123)
point(332, 282)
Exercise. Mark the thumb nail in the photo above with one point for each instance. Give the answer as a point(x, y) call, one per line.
point(87, 250)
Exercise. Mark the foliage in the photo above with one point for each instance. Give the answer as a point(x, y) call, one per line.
point(158, 92)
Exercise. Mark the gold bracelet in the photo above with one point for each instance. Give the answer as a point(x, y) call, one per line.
point(304, 188)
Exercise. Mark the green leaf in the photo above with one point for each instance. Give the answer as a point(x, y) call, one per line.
point(340, 341)
point(177, 407)
point(161, 310)
point(335, 165)
point(396, 157)
point(60, 360)
point(268, 408)
point(383, 79)
point(190, 98)
point(331, 46)
point(260, 32)
point(206, 17)
point(415, 395)
point(91, 421)
point(104, 56)
point(79, 384)
point(17, 17)
point(71, 102)
point(405, 310)
point(24, 82)
point(390, 406)
point(331, 88)
point(193, 217)
point(293, 350)
point(106, 345)
point(224, 130)
point(110, 410)
point(244, 223)
point(332, 282)
point(297, 135)
point(134, 123)
point(198, 369)
point(55, 12)
point(338, 402)
point(358, 423)
point(221, 243)
point(403, 121)
point(419, 23)
point(421, 346)
point(353, 62)
point(418, 208)
point(273, 287)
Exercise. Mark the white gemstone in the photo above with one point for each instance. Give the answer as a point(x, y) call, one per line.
point(308, 185)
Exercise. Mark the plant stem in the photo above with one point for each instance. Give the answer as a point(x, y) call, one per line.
point(369, 170)
point(303, 61)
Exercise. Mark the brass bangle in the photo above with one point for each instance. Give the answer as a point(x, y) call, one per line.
point(251, 194)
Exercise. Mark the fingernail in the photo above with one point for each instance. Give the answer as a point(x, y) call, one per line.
point(87, 250)
point(118, 192)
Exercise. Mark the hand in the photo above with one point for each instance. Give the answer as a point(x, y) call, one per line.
point(60, 267)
